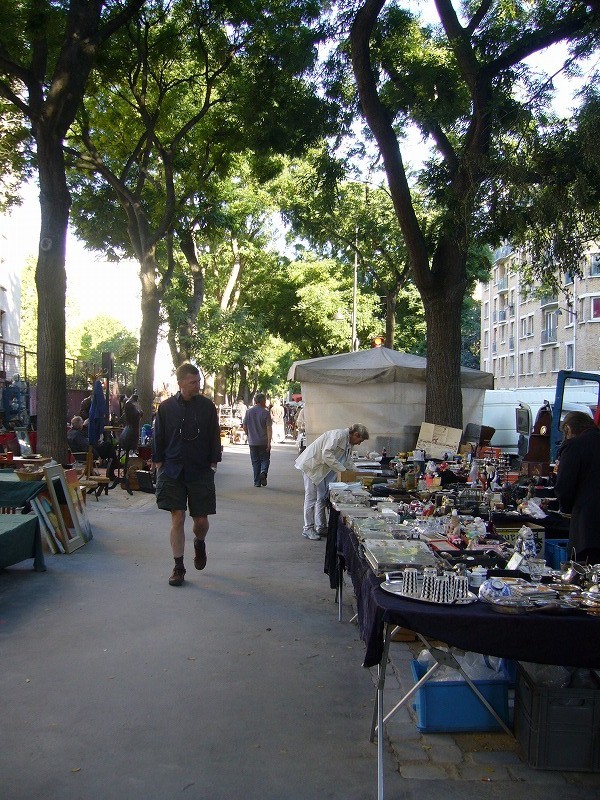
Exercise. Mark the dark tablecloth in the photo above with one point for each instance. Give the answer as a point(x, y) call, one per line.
point(566, 637)
point(14, 494)
point(20, 539)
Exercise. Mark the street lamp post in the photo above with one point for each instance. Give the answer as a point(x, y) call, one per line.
point(354, 346)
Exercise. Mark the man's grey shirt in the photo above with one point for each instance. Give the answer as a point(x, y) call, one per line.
point(257, 422)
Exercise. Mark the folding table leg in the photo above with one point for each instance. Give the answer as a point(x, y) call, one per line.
point(340, 588)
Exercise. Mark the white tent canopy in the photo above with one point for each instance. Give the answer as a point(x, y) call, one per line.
point(381, 388)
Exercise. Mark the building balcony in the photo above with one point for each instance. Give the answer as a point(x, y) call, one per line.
point(549, 336)
point(548, 300)
point(502, 315)
point(502, 285)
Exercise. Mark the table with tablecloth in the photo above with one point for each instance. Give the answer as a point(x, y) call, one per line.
point(567, 637)
point(563, 637)
point(20, 534)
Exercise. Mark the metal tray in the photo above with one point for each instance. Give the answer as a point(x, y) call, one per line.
point(395, 587)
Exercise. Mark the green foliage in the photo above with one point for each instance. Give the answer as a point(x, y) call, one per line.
point(29, 305)
point(105, 334)
point(225, 338)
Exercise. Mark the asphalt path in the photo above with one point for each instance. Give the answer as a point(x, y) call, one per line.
point(239, 684)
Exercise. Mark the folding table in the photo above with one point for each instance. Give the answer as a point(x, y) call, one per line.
point(567, 637)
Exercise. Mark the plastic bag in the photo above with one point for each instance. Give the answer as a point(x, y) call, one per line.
point(477, 666)
point(534, 510)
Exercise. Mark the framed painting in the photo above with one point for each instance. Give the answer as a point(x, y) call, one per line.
point(76, 505)
point(43, 507)
point(66, 510)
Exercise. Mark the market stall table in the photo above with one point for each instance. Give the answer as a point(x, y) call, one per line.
point(565, 637)
point(20, 535)
point(19, 461)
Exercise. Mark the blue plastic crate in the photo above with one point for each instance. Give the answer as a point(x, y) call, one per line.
point(556, 552)
point(446, 706)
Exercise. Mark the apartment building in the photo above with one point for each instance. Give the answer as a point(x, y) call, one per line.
point(526, 340)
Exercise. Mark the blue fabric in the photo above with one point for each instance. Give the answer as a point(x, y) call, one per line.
point(97, 411)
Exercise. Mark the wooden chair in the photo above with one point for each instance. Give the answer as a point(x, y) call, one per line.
point(88, 481)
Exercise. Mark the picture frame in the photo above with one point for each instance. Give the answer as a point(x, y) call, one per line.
point(44, 509)
point(68, 506)
point(24, 443)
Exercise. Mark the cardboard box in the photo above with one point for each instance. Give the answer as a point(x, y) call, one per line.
point(347, 476)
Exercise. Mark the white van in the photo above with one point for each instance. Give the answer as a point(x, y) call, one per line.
point(501, 409)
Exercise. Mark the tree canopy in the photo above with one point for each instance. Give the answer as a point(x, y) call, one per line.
point(466, 85)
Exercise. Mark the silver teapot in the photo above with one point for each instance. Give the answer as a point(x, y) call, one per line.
point(574, 572)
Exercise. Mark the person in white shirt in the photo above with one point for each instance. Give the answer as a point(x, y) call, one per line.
point(328, 454)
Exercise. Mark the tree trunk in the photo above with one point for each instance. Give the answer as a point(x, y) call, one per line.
point(391, 301)
point(442, 301)
point(51, 282)
point(220, 388)
point(150, 305)
point(243, 392)
point(181, 336)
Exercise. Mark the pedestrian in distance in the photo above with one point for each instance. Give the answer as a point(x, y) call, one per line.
point(578, 484)
point(329, 453)
point(258, 428)
point(186, 448)
point(277, 415)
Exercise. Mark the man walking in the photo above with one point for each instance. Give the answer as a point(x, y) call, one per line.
point(186, 448)
point(258, 428)
point(328, 454)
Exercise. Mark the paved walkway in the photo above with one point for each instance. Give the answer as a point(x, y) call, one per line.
point(240, 685)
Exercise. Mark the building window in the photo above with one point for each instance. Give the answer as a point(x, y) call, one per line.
point(530, 363)
point(523, 327)
point(555, 359)
point(594, 307)
point(595, 264)
point(568, 278)
point(522, 364)
point(503, 367)
point(511, 367)
point(1, 324)
point(542, 360)
point(486, 340)
point(486, 310)
point(569, 356)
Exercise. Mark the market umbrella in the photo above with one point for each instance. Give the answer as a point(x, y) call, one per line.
point(97, 411)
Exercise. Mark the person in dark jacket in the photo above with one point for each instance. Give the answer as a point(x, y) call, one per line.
point(578, 484)
point(186, 448)
point(77, 438)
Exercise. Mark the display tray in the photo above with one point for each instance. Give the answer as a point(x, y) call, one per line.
point(395, 587)
point(385, 555)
